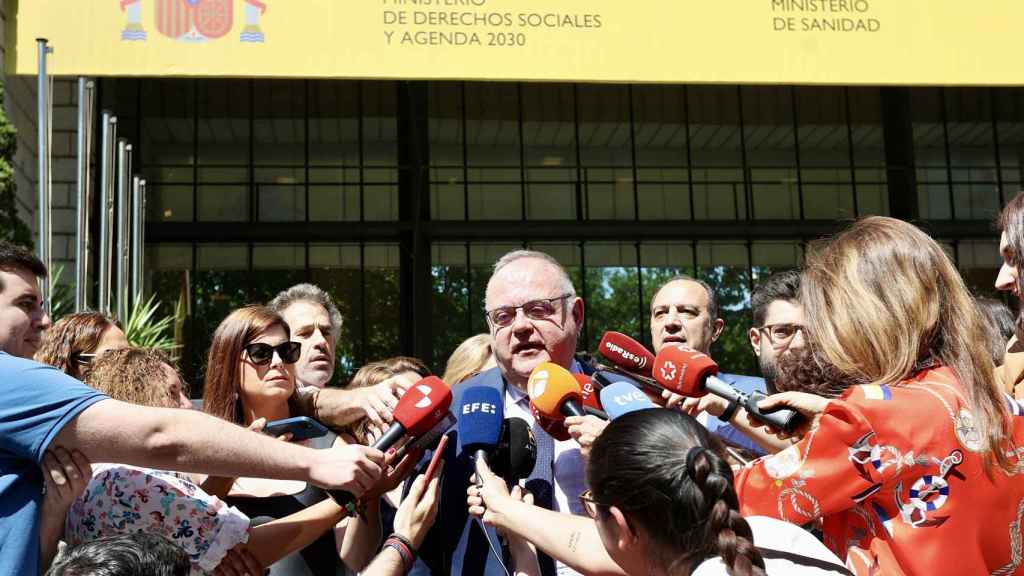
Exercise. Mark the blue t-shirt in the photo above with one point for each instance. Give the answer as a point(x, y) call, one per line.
point(36, 402)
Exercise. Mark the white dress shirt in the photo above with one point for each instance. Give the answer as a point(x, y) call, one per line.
point(568, 469)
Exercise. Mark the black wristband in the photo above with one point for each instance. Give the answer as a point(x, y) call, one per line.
point(729, 412)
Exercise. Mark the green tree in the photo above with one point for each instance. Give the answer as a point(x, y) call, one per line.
point(12, 228)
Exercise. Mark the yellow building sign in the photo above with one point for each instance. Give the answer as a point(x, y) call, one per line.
point(750, 41)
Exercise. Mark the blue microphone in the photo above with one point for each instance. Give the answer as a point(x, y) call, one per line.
point(481, 415)
point(622, 398)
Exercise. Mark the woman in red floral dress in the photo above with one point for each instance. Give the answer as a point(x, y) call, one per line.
point(914, 455)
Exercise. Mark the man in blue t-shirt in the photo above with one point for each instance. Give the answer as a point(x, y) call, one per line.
point(41, 409)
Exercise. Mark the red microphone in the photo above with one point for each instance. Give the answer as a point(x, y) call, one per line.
point(591, 398)
point(421, 407)
point(626, 353)
point(693, 374)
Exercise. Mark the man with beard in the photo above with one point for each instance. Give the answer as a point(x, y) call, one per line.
point(778, 319)
point(776, 337)
point(315, 323)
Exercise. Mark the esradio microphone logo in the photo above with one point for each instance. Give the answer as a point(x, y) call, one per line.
point(636, 359)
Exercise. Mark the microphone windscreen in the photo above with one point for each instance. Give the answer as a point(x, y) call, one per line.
point(626, 353)
point(555, 428)
point(622, 398)
point(550, 386)
point(683, 370)
point(481, 414)
point(516, 455)
point(589, 391)
point(423, 405)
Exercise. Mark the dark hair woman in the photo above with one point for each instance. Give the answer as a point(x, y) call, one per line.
point(250, 380)
point(662, 502)
point(1011, 250)
point(71, 344)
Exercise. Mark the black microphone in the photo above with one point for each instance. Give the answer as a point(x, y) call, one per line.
point(516, 455)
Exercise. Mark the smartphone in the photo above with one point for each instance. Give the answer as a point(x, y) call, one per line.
point(300, 427)
point(436, 459)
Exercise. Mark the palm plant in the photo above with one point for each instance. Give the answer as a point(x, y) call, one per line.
point(146, 329)
point(62, 298)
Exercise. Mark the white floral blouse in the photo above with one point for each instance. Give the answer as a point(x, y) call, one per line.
point(124, 499)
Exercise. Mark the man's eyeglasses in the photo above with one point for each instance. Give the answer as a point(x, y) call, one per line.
point(592, 507)
point(261, 353)
point(534, 310)
point(780, 334)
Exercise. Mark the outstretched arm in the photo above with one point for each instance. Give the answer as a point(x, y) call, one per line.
point(174, 439)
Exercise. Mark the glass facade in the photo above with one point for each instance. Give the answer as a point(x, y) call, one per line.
point(360, 186)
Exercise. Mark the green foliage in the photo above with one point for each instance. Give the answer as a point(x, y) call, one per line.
point(12, 228)
point(146, 329)
point(62, 297)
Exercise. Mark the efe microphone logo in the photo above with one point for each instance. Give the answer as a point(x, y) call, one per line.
point(425, 401)
point(482, 407)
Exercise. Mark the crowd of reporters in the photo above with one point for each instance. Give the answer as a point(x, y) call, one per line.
point(884, 434)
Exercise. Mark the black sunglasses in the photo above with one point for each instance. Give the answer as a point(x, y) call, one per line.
point(261, 353)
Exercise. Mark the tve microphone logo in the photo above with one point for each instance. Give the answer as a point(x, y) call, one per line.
point(630, 398)
point(481, 407)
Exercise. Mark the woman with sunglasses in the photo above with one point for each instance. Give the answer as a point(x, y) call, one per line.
point(661, 502)
point(250, 377)
point(71, 344)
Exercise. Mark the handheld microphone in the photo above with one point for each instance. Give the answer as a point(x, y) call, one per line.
point(609, 376)
point(516, 455)
point(591, 400)
point(555, 392)
point(626, 353)
point(622, 398)
point(421, 407)
point(693, 374)
point(481, 415)
point(555, 428)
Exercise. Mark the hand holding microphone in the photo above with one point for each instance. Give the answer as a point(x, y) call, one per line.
point(631, 359)
point(421, 407)
point(693, 374)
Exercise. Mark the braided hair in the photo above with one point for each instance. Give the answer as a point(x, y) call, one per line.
point(664, 471)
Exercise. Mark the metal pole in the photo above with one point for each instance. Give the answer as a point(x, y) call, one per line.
point(108, 170)
point(138, 245)
point(43, 91)
point(124, 171)
point(86, 92)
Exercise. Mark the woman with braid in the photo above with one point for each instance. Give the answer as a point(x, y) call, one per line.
point(661, 503)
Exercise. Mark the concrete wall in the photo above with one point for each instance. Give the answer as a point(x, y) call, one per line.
point(20, 105)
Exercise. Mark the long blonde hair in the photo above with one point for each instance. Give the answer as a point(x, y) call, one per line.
point(881, 297)
point(468, 358)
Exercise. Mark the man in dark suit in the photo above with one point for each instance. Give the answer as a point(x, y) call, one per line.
point(534, 316)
